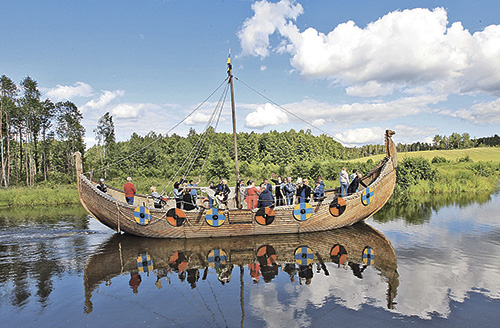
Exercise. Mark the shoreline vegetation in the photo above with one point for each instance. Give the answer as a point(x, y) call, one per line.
point(39, 137)
point(419, 173)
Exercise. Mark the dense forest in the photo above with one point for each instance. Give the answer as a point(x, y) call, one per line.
point(454, 141)
point(39, 137)
point(291, 153)
point(211, 155)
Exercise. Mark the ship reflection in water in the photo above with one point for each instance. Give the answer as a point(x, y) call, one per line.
point(301, 259)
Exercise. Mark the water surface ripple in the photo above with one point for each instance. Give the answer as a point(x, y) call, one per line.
point(418, 262)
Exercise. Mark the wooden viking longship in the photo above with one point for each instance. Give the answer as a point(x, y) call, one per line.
point(355, 248)
point(331, 212)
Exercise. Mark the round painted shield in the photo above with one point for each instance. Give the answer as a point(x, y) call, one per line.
point(304, 255)
point(178, 261)
point(214, 218)
point(266, 255)
point(337, 206)
point(176, 217)
point(338, 254)
point(265, 216)
point(368, 256)
point(141, 215)
point(145, 263)
point(367, 195)
point(216, 258)
point(302, 211)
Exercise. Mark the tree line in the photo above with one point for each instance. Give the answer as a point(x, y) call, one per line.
point(210, 154)
point(37, 136)
point(439, 142)
point(453, 141)
point(289, 153)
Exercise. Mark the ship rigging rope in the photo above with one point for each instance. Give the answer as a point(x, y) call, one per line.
point(160, 136)
point(212, 139)
point(221, 103)
point(219, 110)
point(216, 114)
point(215, 299)
point(203, 315)
point(203, 136)
point(289, 112)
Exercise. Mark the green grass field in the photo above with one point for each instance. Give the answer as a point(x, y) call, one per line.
point(41, 195)
point(452, 177)
point(475, 154)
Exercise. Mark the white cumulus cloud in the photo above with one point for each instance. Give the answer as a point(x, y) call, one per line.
point(266, 115)
point(370, 89)
point(375, 135)
point(407, 49)
point(369, 111)
point(197, 118)
point(481, 113)
point(269, 17)
point(104, 99)
point(66, 92)
point(319, 122)
point(131, 110)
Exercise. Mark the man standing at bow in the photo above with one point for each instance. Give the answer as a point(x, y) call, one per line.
point(344, 182)
point(129, 191)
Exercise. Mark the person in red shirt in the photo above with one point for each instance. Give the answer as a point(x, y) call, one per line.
point(129, 191)
point(135, 281)
point(252, 195)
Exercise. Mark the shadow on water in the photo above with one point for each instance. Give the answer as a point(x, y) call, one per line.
point(418, 209)
point(299, 257)
point(15, 216)
point(29, 269)
point(58, 257)
point(38, 244)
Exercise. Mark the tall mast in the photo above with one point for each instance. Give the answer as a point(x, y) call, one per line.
point(237, 167)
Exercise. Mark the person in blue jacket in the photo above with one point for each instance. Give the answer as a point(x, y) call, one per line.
point(304, 192)
point(319, 189)
point(266, 198)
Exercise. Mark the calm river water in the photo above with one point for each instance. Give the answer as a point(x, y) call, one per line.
point(420, 262)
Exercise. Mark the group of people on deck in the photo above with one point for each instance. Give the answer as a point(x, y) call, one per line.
point(185, 194)
point(350, 184)
point(285, 191)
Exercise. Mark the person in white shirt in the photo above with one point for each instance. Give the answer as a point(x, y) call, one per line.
point(344, 182)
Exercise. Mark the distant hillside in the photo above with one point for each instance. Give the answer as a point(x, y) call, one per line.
point(475, 154)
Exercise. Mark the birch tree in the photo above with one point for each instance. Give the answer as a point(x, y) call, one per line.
point(8, 91)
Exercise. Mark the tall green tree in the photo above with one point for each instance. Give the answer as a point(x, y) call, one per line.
point(436, 141)
point(30, 114)
point(8, 93)
point(70, 131)
point(48, 112)
point(466, 141)
point(105, 137)
point(455, 140)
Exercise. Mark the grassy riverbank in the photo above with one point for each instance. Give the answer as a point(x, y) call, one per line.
point(482, 154)
point(433, 172)
point(453, 178)
point(474, 170)
point(41, 195)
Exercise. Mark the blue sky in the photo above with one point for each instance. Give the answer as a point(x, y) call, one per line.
point(352, 68)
